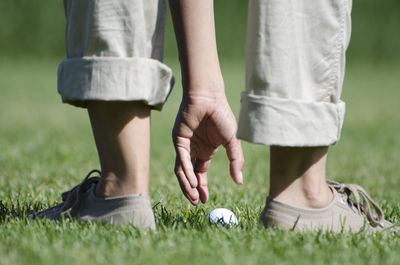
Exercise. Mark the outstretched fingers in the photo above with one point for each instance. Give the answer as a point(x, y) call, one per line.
point(201, 168)
point(235, 155)
point(192, 175)
point(184, 170)
point(191, 193)
point(185, 160)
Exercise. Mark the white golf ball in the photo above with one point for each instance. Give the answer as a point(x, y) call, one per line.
point(222, 216)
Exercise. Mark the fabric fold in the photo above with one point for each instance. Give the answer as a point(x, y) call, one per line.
point(83, 79)
point(289, 122)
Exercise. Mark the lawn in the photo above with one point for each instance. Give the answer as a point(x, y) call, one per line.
point(46, 147)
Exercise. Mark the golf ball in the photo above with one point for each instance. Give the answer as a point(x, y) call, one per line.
point(222, 216)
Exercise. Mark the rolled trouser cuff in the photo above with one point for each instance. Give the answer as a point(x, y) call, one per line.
point(114, 79)
point(289, 122)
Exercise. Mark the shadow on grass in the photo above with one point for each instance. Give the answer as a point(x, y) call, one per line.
point(170, 218)
point(196, 218)
point(167, 218)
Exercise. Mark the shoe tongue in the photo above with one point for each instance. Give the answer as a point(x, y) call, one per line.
point(334, 191)
point(338, 196)
point(72, 197)
point(87, 184)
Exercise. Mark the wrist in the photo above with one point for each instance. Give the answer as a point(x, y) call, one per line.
point(205, 88)
point(202, 80)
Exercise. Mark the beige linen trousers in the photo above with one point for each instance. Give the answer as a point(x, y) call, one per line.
point(114, 52)
point(294, 67)
point(295, 62)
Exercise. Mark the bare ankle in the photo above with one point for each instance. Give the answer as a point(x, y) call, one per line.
point(122, 135)
point(305, 197)
point(113, 186)
point(297, 176)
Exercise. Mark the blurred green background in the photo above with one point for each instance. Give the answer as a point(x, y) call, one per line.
point(46, 147)
point(36, 28)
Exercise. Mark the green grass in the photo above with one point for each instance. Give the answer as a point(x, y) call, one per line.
point(46, 147)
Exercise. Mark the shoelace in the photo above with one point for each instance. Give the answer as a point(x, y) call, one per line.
point(363, 205)
point(71, 198)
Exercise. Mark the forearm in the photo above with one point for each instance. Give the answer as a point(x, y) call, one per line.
point(195, 35)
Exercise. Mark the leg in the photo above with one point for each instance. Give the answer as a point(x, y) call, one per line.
point(297, 176)
point(294, 77)
point(109, 72)
point(122, 135)
point(293, 86)
point(119, 78)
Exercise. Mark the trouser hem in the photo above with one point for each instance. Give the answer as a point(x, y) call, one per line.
point(114, 79)
point(289, 122)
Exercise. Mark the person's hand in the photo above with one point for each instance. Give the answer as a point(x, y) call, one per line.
point(205, 120)
point(203, 123)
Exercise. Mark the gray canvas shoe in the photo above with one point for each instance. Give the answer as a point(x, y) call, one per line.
point(349, 211)
point(81, 203)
